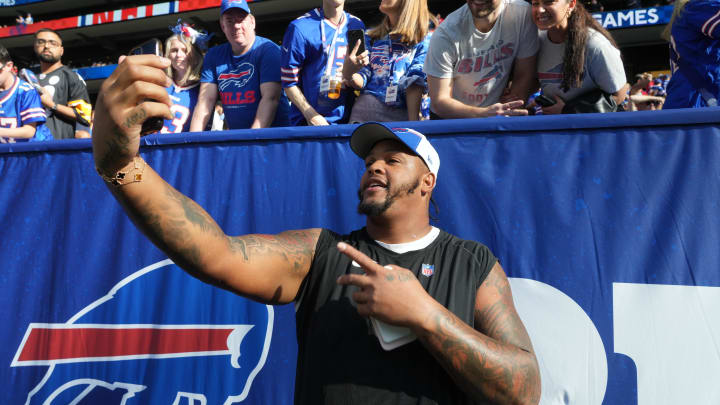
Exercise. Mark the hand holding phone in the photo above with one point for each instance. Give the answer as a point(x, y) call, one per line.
point(353, 36)
point(150, 47)
point(544, 101)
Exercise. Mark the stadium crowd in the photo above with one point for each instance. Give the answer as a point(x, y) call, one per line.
point(491, 58)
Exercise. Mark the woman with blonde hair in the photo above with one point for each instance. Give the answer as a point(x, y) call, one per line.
point(577, 55)
point(185, 49)
point(390, 73)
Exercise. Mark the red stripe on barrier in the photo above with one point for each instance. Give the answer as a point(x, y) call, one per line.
point(46, 344)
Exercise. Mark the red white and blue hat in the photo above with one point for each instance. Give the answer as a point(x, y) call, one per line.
point(367, 135)
point(229, 4)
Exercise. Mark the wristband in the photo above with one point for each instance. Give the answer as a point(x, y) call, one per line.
point(54, 107)
point(131, 173)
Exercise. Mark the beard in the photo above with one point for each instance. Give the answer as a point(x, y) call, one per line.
point(374, 209)
point(48, 58)
point(482, 10)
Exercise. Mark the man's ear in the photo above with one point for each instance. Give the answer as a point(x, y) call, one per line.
point(428, 182)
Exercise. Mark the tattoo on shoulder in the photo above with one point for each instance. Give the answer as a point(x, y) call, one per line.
point(294, 247)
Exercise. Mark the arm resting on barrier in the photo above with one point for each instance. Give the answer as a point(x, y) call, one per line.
point(204, 108)
point(269, 99)
point(523, 79)
point(444, 105)
point(24, 132)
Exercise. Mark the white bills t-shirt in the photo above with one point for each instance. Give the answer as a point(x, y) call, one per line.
point(479, 62)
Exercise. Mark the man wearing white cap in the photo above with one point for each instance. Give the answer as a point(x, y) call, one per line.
point(244, 73)
point(383, 314)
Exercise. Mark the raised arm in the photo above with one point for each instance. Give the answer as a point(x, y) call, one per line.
point(268, 268)
point(493, 363)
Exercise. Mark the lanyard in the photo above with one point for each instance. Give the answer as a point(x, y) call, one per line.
point(394, 60)
point(329, 50)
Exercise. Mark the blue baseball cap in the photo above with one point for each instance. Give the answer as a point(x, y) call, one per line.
point(365, 136)
point(229, 4)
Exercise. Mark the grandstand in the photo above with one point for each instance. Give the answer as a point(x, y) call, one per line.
point(96, 31)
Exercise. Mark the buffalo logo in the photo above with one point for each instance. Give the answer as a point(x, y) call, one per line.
point(158, 337)
point(237, 77)
point(490, 76)
point(553, 75)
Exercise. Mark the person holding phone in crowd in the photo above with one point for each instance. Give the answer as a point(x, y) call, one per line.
point(472, 55)
point(244, 73)
point(185, 49)
point(313, 52)
point(577, 55)
point(390, 72)
point(22, 117)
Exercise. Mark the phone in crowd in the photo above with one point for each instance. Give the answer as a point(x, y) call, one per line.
point(352, 38)
point(150, 47)
point(30, 77)
point(544, 101)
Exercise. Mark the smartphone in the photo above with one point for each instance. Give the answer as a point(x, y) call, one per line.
point(544, 101)
point(150, 47)
point(30, 77)
point(352, 38)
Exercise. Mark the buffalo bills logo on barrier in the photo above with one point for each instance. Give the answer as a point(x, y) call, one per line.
point(237, 77)
point(158, 337)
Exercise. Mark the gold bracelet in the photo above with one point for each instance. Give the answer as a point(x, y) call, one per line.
point(131, 173)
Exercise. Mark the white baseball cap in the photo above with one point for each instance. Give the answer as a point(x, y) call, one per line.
point(365, 136)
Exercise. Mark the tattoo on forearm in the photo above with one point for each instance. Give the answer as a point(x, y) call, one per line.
point(118, 145)
point(495, 364)
point(487, 369)
point(194, 213)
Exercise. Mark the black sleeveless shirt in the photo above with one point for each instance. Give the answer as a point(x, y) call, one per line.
point(340, 360)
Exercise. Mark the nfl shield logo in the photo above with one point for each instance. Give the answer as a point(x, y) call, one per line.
point(428, 269)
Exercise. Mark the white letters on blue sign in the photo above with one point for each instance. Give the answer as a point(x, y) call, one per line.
point(671, 333)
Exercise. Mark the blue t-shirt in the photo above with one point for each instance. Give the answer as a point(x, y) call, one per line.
point(695, 56)
point(183, 104)
point(305, 58)
point(239, 78)
point(394, 63)
point(20, 105)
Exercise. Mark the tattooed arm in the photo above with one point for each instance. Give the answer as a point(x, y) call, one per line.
point(493, 364)
point(268, 268)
